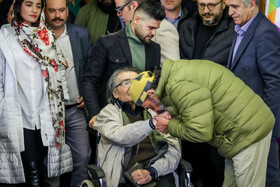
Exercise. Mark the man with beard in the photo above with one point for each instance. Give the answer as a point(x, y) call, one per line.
point(206, 35)
point(131, 46)
point(99, 16)
point(76, 44)
point(166, 36)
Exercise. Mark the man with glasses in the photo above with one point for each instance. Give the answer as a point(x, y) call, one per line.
point(126, 8)
point(206, 35)
point(131, 46)
point(166, 36)
point(254, 58)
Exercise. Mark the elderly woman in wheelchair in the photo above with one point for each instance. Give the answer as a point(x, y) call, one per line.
point(131, 152)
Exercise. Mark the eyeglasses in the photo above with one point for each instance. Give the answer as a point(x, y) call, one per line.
point(120, 8)
point(124, 83)
point(210, 6)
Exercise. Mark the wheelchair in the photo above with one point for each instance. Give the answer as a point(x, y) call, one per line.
point(96, 175)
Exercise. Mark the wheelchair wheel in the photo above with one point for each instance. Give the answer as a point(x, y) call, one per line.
point(87, 183)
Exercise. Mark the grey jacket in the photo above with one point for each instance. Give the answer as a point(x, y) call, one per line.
point(11, 126)
point(115, 137)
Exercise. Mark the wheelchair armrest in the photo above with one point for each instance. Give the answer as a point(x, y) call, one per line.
point(185, 166)
point(96, 172)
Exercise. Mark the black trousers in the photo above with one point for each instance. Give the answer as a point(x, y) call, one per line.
point(34, 149)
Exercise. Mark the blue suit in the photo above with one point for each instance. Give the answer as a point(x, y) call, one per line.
point(77, 136)
point(257, 63)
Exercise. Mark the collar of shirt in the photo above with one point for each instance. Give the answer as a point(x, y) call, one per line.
point(65, 33)
point(176, 19)
point(127, 107)
point(240, 30)
point(130, 34)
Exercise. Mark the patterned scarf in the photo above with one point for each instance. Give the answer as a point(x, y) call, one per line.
point(39, 42)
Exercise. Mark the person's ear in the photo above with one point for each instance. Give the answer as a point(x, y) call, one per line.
point(134, 5)
point(223, 4)
point(137, 19)
point(115, 94)
point(252, 5)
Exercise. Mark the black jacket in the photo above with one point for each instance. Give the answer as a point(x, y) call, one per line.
point(218, 46)
point(110, 53)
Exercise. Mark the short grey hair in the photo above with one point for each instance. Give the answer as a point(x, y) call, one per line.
point(246, 2)
point(112, 82)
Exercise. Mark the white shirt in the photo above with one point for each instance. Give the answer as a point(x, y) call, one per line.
point(65, 45)
point(32, 97)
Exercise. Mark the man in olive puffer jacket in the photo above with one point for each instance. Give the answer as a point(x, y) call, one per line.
point(210, 104)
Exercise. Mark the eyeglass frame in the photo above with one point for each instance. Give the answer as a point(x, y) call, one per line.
point(122, 83)
point(120, 8)
point(207, 5)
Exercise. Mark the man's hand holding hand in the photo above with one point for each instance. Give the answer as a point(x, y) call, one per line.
point(162, 124)
point(166, 115)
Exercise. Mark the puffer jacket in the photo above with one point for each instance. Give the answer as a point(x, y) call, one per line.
point(210, 104)
point(217, 47)
point(11, 124)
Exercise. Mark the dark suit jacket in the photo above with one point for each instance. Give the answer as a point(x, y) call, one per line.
point(110, 53)
point(81, 48)
point(257, 63)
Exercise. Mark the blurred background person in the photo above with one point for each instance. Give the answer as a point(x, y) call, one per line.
point(74, 7)
point(100, 17)
point(6, 12)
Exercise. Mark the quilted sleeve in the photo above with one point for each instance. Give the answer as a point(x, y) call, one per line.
point(194, 119)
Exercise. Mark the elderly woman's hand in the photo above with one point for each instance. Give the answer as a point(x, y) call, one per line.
point(141, 176)
point(91, 122)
